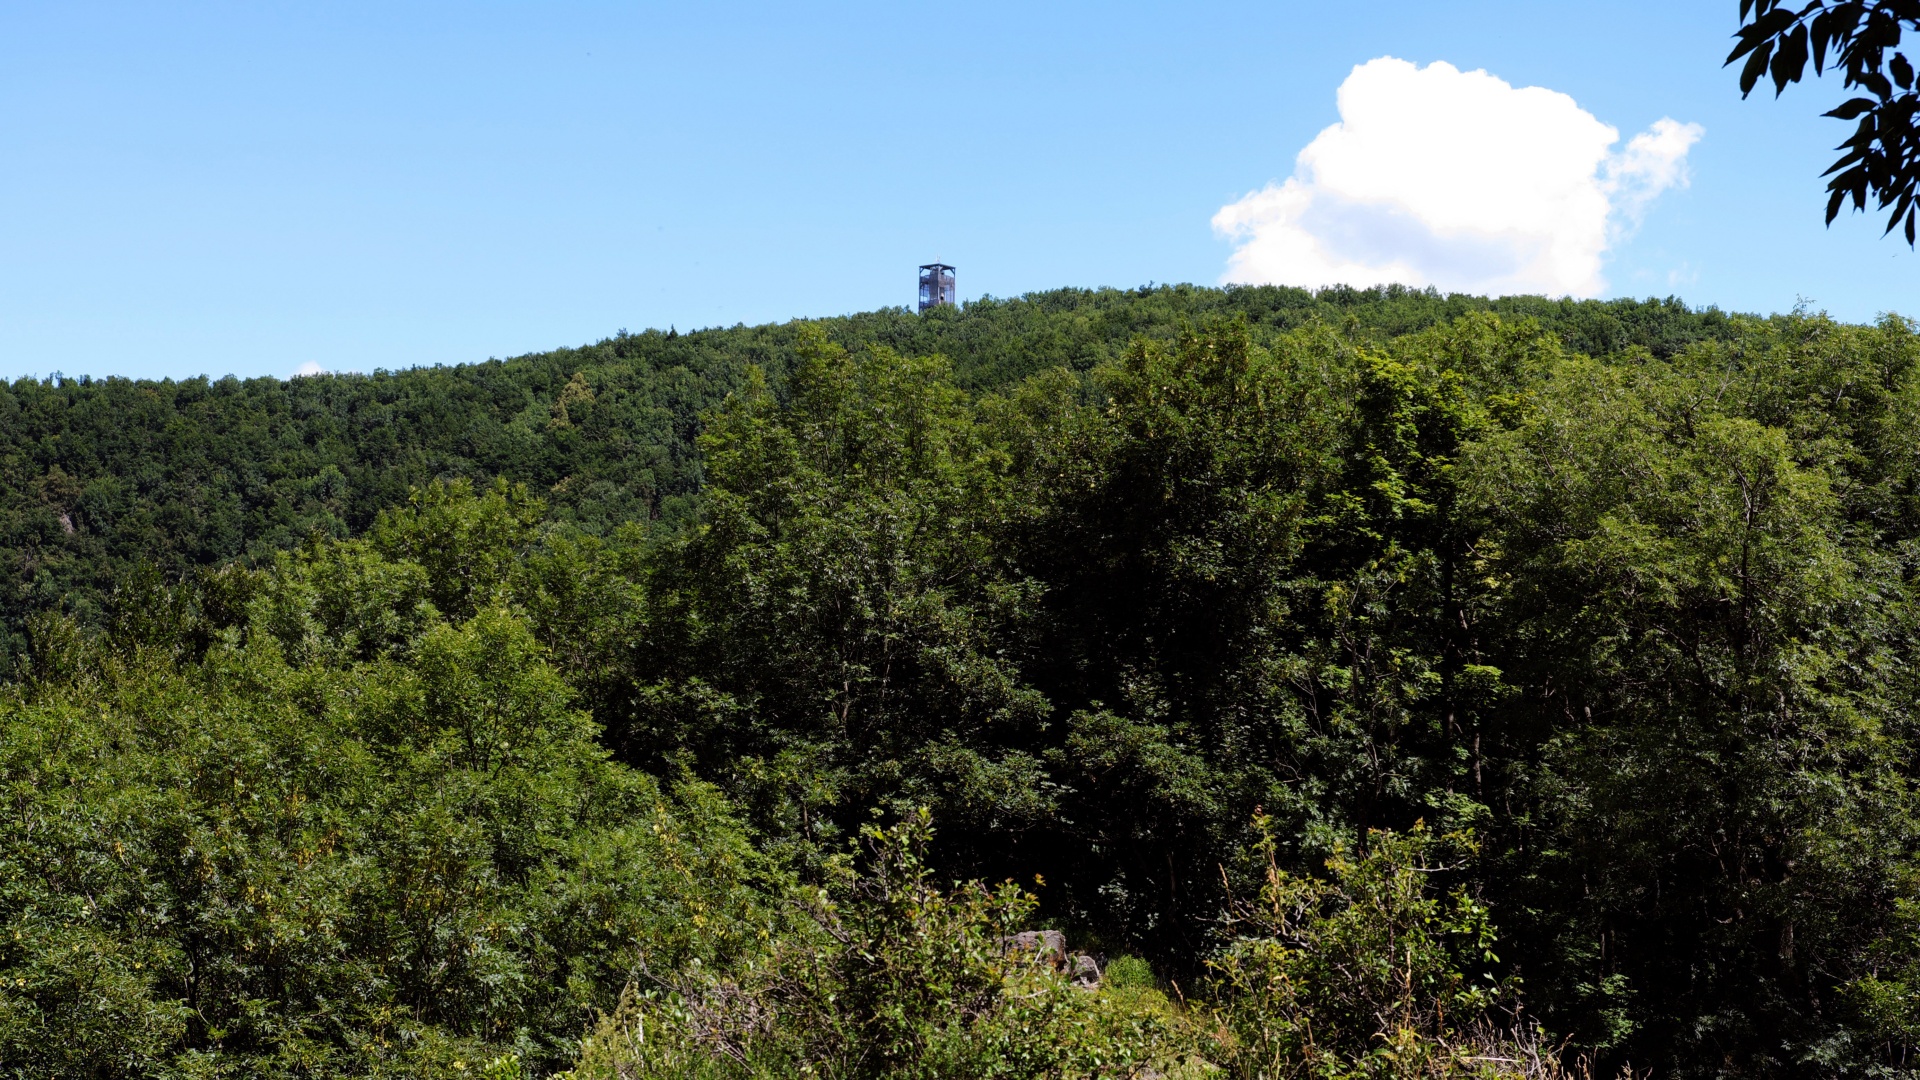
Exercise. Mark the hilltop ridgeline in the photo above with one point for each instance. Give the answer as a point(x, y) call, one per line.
point(98, 476)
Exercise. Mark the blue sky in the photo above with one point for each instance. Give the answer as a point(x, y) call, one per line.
point(252, 188)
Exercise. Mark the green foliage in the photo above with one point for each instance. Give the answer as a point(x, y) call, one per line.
point(355, 838)
point(1370, 972)
point(1625, 591)
point(824, 634)
point(1636, 620)
point(1776, 40)
point(1366, 973)
point(469, 546)
point(1128, 973)
point(1700, 575)
point(101, 476)
point(896, 980)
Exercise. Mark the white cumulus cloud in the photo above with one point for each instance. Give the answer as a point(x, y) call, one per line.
point(311, 367)
point(1456, 179)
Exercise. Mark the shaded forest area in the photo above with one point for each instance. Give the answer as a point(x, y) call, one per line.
point(1376, 684)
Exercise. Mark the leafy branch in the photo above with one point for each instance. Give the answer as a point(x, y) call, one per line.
point(1861, 39)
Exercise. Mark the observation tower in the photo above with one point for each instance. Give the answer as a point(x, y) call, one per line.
point(936, 285)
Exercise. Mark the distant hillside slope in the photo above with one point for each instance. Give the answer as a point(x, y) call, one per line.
point(97, 475)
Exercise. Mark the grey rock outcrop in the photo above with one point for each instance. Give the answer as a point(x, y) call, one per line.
point(1051, 946)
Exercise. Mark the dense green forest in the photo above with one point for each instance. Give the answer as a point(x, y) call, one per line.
point(99, 476)
point(1370, 683)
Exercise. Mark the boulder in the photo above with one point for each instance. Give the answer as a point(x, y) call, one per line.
point(1051, 947)
point(1048, 943)
point(1084, 970)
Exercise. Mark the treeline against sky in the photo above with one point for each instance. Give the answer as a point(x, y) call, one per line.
point(99, 475)
point(1382, 684)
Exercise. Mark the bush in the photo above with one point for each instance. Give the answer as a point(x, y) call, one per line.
point(895, 979)
point(1128, 973)
point(299, 858)
point(1368, 973)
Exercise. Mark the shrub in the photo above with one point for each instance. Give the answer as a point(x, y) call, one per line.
point(1368, 973)
point(248, 868)
point(894, 979)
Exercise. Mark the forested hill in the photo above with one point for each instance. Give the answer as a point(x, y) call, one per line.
point(1408, 695)
point(98, 476)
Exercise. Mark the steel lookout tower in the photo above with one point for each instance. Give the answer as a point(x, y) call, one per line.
point(936, 285)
